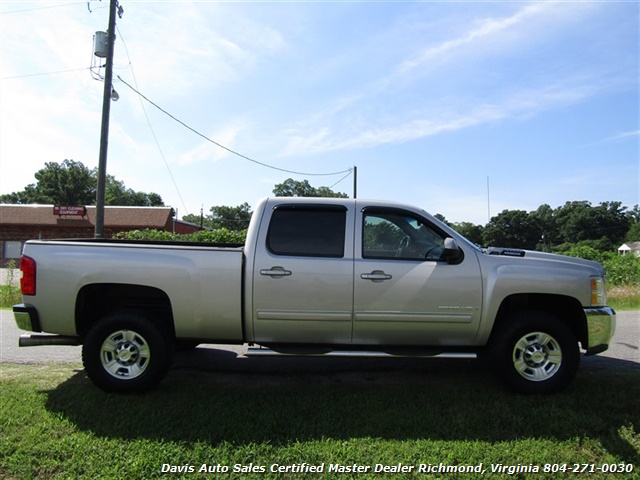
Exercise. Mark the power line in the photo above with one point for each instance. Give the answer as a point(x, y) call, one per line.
point(153, 133)
point(350, 172)
point(45, 73)
point(41, 8)
point(227, 148)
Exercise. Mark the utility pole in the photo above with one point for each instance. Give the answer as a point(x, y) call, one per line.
point(355, 181)
point(106, 109)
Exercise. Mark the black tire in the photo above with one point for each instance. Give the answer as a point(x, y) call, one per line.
point(126, 352)
point(535, 352)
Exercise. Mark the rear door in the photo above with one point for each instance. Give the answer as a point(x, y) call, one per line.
point(303, 279)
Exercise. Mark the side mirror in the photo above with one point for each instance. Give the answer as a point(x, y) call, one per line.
point(452, 252)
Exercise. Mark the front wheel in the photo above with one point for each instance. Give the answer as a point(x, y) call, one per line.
point(535, 352)
point(125, 352)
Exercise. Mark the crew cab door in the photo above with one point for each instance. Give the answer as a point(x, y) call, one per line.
point(303, 275)
point(406, 293)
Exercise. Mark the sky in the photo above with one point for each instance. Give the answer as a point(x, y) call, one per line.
point(462, 108)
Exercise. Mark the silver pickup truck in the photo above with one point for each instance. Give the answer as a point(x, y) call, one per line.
point(317, 276)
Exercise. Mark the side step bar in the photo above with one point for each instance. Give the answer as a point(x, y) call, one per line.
point(38, 340)
point(267, 352)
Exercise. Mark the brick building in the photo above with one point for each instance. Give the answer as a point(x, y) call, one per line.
point(19, 223)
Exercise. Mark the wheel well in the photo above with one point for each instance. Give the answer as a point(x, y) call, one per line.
point(568, 309)
point(97, 300)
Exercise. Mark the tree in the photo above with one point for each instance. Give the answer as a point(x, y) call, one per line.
point(293, 188)
point(633, 234)
point(67, 183)
point(544, 217)
point(470, 231)
point(116, 193)
point(71, 183)
point(230, 218)
point(512, 228)
point(579, 221)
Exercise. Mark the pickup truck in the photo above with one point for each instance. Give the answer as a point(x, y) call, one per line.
point(317, 276)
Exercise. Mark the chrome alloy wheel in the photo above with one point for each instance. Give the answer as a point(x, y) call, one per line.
point(537, 356)
point(125, 354)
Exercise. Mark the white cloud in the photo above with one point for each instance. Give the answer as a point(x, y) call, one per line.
point(385, 111)
point(207, 151)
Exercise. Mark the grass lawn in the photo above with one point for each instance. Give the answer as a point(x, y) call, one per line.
point(55, 424)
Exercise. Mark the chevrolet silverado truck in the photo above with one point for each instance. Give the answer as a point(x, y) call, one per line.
point(316, 276)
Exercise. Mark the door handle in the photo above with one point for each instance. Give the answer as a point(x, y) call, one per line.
point(275, 272)
point(376, 275)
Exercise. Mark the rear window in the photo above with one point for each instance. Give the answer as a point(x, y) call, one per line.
point(307, 231)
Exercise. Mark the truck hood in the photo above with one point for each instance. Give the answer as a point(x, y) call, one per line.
point(551, 259)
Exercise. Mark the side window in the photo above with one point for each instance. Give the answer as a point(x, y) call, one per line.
point(399, 235)
point(307, 231)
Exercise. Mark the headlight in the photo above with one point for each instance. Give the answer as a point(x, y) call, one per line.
point(598, 292)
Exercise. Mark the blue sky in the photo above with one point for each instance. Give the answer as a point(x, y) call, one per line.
point(428, 99)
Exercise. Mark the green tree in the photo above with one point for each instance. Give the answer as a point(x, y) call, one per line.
point(545, 218)
point(116, 193)
point(67, 183)
point(471, 231)
point(512, 228)
point(71, 183)
point(633, 234)
point(607, 223)
point(294, 188)
point(230, 218)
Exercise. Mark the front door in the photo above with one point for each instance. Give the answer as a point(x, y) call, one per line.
point(405, 293)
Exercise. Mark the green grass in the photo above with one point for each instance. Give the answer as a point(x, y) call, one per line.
point(55, 424)
point(624, 297)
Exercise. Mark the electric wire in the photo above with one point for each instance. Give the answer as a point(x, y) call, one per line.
point(153, 133)
point(41, 8)
point(46, 73)
point(348, 171)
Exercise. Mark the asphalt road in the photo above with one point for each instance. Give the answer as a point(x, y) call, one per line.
point(624, 353)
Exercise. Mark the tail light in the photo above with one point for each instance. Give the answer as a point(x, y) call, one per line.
point(28, 280)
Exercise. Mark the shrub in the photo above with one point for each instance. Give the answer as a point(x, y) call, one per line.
point(620, 269)
point(221, 235)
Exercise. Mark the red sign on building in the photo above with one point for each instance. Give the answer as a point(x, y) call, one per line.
point(69, 210)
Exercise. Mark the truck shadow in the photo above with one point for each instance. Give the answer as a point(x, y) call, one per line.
point(212, 396)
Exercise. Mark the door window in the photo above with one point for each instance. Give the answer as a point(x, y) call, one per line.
point(307, 231)
point(395, 234)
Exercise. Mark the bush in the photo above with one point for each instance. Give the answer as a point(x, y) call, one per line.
point(221, 235)
point(620, 269)
point(10, 293)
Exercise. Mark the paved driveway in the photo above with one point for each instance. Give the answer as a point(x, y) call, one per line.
point(624, 352)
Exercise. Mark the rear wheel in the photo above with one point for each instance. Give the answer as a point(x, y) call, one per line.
point(535, 352)
point(126, 352)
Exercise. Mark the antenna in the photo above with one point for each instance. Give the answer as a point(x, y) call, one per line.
point(488, 202)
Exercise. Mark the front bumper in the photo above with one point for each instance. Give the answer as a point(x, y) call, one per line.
point(601, 325)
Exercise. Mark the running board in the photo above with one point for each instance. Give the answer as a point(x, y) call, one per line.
point(38, 340)
point(267, 352)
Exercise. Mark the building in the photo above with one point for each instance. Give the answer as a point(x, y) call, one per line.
point(19, 223)
point(630, 248)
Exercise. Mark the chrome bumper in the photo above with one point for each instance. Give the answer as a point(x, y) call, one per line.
point(27, 317)
point(601, 325)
